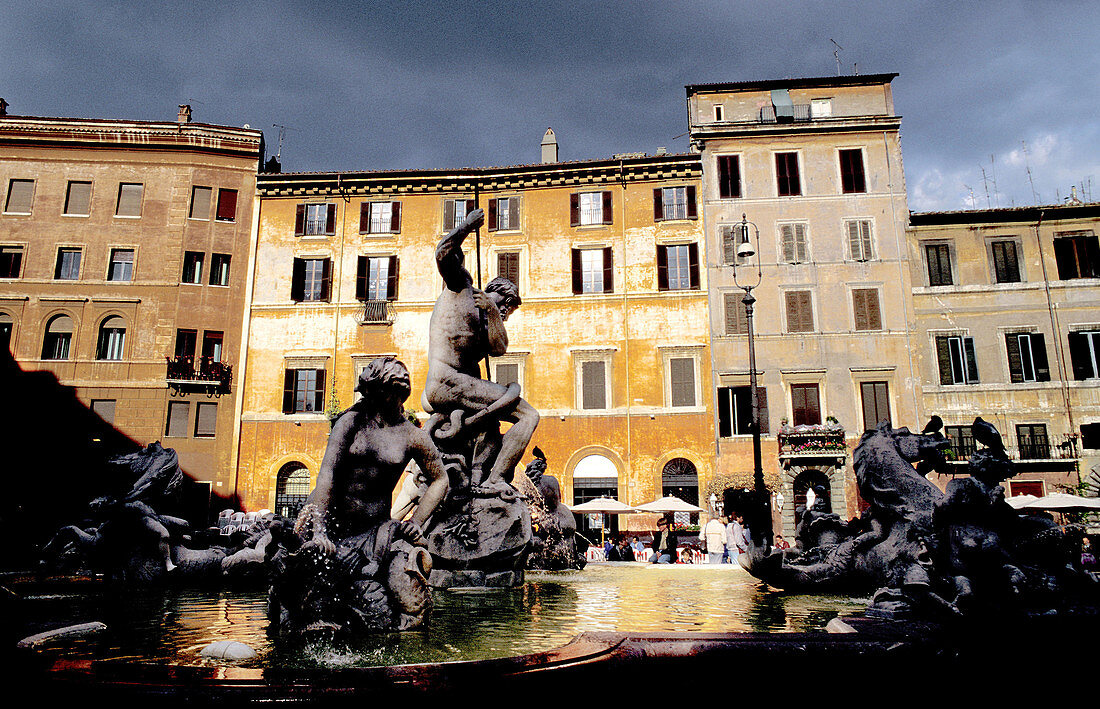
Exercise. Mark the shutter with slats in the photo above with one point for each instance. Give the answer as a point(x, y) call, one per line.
point(364, 217)
point(762, 396)
point(392, 279)
point(725, 412)
point(943, 358)
point(1006, 266)
point(658, 204)
point(593, 385)
point(574, 209)
point(607, 207)
point(1039, 357)
point(289, 377)
point(448, 215)
point(971, 360)
point(662, 268)
point(682, 381)
point(362, 266)
point(736, 317)
point(326, 280)
point(300, 220)
point(330, 219)
point(319, 391)
point(20, 196)
point(395, 217)
point(800, 317)
point(493, 210)
point(129, 199)
point(298, 281)
point(1015, 367)
point(729, 244)
point(693, 266)
point(866, 307)
point(692, 209)
point(206, 419)
point(608, 272)
point(577, 274)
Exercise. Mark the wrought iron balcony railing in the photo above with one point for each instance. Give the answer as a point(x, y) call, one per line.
point(800, 114)
point(1053, 448)
point(812, 441)
point(182, 371)
point(376, 312)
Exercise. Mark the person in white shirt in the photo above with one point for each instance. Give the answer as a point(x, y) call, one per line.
point(713, 535)
point(737, 537)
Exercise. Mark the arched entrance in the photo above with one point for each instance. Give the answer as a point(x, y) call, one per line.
point(291, 489)
point(821, 497)
point(595, 476)
point(679, 478)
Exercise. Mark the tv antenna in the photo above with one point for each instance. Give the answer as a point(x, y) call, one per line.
point(970, 199)
point(836, 54)
point(1030, 178)
point(282, 134)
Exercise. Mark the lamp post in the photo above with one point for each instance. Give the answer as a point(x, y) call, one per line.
point(748, 245)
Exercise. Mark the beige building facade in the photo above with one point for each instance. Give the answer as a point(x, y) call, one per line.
point(815, 166)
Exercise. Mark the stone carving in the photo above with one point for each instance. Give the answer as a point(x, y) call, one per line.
point(554, 541)
point(482, 533)
point(346, 566)
point(926, 552)
point(131, 541)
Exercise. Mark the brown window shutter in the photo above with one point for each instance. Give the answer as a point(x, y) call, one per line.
point(607, 207)
point(319, 392)
point(787, 237)
point(866, 307)
point(662, 268)
point(330, 220)
point(364, 217)
point(362, 267)
point(725, 411)
point(574, 209)
point(736, 318)
point(943, 357)
point(799, 312)
point(729, 244)
point(593, 385)
point(298, 281)
point(1015, 367)
point(227, 205)
point(859, 308)
point(326, 279)
point(658, 204)
point(449, 214)
point(762, 396)
point(300, 220)
point(1080, 356)
point(608, 272)
point(392, 280)
point(513, 213)
point(492, 220)
point(1039, 357)
point(855, 245)
point(395, 218)
point(577, 276)
point(288, 390)
point(692, 210)
point(971, 360)
point(693, 265)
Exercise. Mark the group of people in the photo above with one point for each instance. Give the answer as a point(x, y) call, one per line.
point(619, 550)
point(723, 539)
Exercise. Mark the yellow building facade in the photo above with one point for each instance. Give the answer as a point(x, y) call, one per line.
point(1007, 327)
point(610, 344)
point(815, 165)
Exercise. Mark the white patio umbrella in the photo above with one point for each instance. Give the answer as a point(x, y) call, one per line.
point(603, 505)
point(1020, 501)
point(669, 504)
point(1063, 502)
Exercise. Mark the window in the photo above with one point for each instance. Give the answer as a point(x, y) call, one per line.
point(805, 405)
point(11, 261)
point(586, 208)
point(200, 203)
point(876, 403)
point(176, 426)
point(104, 409)
point(594, 384)
point(206, 419)
point(859, 240)
point(678, 267)
point(729, 234)
point(212, 345)
point(729, 176)
point(186, 340)
point(1090, 435)
point(1084, 354)
point(592, 270)
point(7, 326)
point(957, 360)
point(312, 279)
point(129, 199)
point(376, 278)
point(681, 375)
point(504, 214)
point(506, 373)
point(303, 391)
point(454, 211)
point(786, 175)
point(379, 218)
point(20, 197)
point(865, 307)
point(962, 440)
point(78, 198)
point(1077, 254)
point(821, 107)
point(800, 311)
point(792, 239)
point(735, 410)
point(851, 171)
point(227, 206)
point(192, 267)
point(219, 269)
point(68, 265)
point(674, 203)
point(1031, 438)
point(58, 338)
point(292, 489)
point(737, 320)
point(717, 113)
point(316, 219)
point(508, 266)
point(122, 265)
point(1006, 264)
point(938, 257)
point(112, 338)
point(1027, 357)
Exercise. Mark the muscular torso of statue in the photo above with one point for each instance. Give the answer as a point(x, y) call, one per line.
point(366, 473)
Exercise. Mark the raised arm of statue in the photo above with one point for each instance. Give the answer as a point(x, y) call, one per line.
point(448, 254)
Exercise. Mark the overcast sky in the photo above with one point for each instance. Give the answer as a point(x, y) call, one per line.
point(374, 86)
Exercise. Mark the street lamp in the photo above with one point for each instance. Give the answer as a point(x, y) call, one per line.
point(748, 245)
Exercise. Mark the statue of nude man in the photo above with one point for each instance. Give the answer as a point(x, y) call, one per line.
point(467, 324)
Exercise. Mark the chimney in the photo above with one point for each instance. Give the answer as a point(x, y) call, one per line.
point(3, 107)
point(549, 146)
point(184, 114)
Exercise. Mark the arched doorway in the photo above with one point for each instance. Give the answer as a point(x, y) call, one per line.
point(821, 497)
point(291, 489)
point(595, 476)
point(679, 478)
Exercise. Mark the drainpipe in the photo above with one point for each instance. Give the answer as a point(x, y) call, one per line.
point(626, 334)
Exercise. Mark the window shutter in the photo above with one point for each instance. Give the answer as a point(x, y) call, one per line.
point(1092, 256)
point(364, 217)
point(762, 396)
point(729, 244)
point(693, 265)
point(577, 287)
point(362, 266)
point(200, 202)
point(129, 199)
point(1039, 357)
point(300, 220)
point(855, 243)
point(800, 251)
point(607, 207)
point(865, 305)
point(608, 272)
point(391, 281)
point(326, 279)
point(319, 392)
point(943, 357)
point(20, 196)
point(682, 381)
point(574, 209)
point(737, 321)
point(395, 218)
point(79, 200)
point(448, 215)
point(662, 268)
point(330, 219)
point(1080, 356)
point(658, 204)
point(1005, 263)
point(729, 177)
point(227, 205)
point(593, 382)
point(971, 361)
point(799, 312)
point(492, 220)
point(1015, 368)
point(725, 411)
point(298, 281)
point(692, 210)
point(787, 231)
point(288, 390)
point(513, 213)
point(1065, 254)
point(206, 419)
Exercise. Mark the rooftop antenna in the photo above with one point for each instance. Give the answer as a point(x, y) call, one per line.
point(971, 197)
point(1030, 178)
point(985, 183)
point(282, 134)
point(993, 179)
point(836, 53)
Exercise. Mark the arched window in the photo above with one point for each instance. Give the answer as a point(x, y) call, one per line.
point(679, 478)
point(112, 338)
point(59, 338)
point(291, 490)
point(817, 483)
point(7, 326)
point(595, 476)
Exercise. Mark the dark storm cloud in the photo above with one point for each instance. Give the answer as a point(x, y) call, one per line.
point(364, 85)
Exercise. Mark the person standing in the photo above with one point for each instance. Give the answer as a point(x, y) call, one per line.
point(736, 537)
point(714, 537)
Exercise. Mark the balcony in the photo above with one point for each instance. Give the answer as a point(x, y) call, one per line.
point(823, 445)
point(375, 312)
point(182, 375)
point(800, 114)
point(1038, 452)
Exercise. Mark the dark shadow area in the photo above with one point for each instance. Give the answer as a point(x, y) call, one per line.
point(55, 453)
